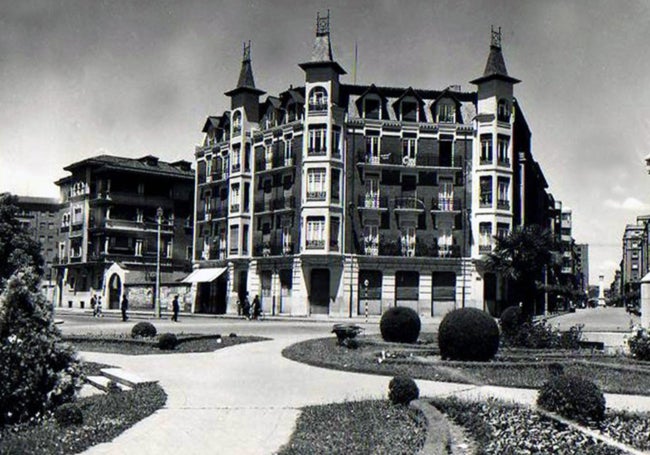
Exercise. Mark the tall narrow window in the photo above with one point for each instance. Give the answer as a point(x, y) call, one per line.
point(502, 150)
point(372, 149)
point(485, 237)
point(446, 153)
point(288, 152)
point(234, 197)
point(315, 236)
point(445, 242)
point(503, 190)
point(335, 227)
point(244, 245)
point(236, 123)
point(486, 149)
point(445, 194)
point(336, 186)
point(446, 113)
point(317, 135)
point(503, 229)
point(287, 246)
point(371, 240)
point(371, 108)
point(372, 192)
point(236, 159)
point(486, 192)
point(503, 111)
point(234, 239)
point(409, 147)
point(316, 184)
point(408, 241)
point(336, 139)
point(318, 99)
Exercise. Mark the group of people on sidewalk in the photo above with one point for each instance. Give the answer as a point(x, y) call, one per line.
point(248, 310)
point(96, 305)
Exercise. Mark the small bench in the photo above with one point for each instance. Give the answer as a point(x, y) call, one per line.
point(345, 332)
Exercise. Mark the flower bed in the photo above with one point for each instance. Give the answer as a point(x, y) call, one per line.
point(501, 428)
point(104, 417)
point(363, 427)
point(629, 428)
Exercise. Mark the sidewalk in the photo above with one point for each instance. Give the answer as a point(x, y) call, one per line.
point(246, 399)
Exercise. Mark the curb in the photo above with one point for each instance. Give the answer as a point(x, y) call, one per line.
point(438, 436)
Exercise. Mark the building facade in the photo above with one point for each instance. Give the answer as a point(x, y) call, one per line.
point(116, 212)
point(345, 199)
point(42, 219)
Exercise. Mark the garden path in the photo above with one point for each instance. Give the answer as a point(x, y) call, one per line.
point(246, 399)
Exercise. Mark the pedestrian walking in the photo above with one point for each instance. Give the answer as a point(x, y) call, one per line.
point(247, 308)
point(124, 307)
point(98, 307)
point(175, 308)
point(93, 304)
point(257, 307)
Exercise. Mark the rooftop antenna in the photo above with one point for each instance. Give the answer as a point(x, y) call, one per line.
point(496, 38)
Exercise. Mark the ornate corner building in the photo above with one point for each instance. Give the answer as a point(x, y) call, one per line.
point(345, 199)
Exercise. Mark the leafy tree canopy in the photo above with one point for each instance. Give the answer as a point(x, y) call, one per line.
point(17, 249)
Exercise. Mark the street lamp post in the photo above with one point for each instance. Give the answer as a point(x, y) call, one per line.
point(159, 215)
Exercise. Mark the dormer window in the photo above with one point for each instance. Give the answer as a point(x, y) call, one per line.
point(236, 123)
point(318, 99)
point(503, 111)
point(409, 111)
point(291, 112)
point(371, 108)
point(446, 113)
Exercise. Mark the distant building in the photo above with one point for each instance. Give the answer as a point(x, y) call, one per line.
point(634, 250)
point(334, 198)
point(109, 227)
point(582, 265)
point(42, 219)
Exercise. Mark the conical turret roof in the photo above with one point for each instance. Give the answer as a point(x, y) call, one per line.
point(495, 67)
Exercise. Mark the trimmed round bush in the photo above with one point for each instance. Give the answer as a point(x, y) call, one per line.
point(640, 345)
point(402, 390)
point(468, 334)
point(573, 397)
point(68, 414)
point(144, 330)
point(167, 342)
point(512, 319)
point(400, 325)
point(233, 335)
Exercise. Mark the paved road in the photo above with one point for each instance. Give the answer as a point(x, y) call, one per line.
point(598, 320)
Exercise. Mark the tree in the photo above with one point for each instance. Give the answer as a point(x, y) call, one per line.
point(37, 371)
point(521, 257)
point(17, 249)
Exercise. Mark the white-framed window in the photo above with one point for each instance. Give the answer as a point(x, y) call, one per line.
point(317, 140)
point(409, 151)
point(408, 241)
point(315, 235)
point(318, 99)
point(503, 193)
point(335, 228)
point(503, 110)
point(236, 122)
point(169, 249)
point(316, 184)
point(486, 149)
point(236, 159)
point(234, 239)
point(286, 240)
point(288, 152)
point(371, 240)
point(234, 197)
point(372, 192)
point(502, 149)
point(373, 149)
point(445, 241)
point(485, 194)
point(503, 229)
point(445, 194)
point(139, 216)
point(336, 139)
point(485, 237)
point(446, 113)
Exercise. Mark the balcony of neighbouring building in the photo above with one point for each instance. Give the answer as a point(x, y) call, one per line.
point(316, 196)
point(446, 204)
point(503, 204)
point(372, 201)
point(134, 199)
point(316, 244)
point(409, 204)
point(317, 108)
point(317, 151)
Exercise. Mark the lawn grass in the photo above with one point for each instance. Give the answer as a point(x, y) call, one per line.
point(105, 417)
point(120, 344)
point(512, 368)
point(360, 427)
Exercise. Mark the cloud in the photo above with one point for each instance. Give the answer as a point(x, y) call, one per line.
point(630, 203)
point(618, 189)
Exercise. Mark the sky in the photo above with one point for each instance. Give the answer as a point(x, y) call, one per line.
point(131, 78)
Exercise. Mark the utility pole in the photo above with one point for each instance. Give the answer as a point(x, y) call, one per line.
point(159, 215)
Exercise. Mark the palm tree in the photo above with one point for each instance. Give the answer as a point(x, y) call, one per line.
point(521, 258)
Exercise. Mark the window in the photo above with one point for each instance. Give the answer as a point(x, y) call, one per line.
point(335, 185)
point(188, 253)
point(372, 192)
point(484, 237)
point(486, 149)
point(371, 108)
point(318, 99)
point(288, 152)
point(409, 111)
point(408, 241)
point(503, 229)
point(503, 189)
point(502, 150)
point(139, 216)
point(485, 192)
point(234, 197)
point(445, 241)
point(245, 239)
point(317, 137)
point(446, 113)
point(315, 238)
point(372, 149)
point(335, 227)
point(247, 194)
point(236, 123)
point(371, 240)
point(316, 181)
point(169, 249)
point(234, 239)
point(236, 159)
point(336, 139)
point(446, 194)
point(287, 246)
point(446, 153)
point(503, 111)
point(140, 188)
point(409, 150)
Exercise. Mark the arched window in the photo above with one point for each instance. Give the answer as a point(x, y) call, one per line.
point(503, 110)
point(318, 99)
point(236, 123)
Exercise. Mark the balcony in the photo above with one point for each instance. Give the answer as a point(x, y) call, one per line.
point(234, 208)
point(503, 204)
point(314, 244)
point(505, 162)
point(236, 167)
point(131, 225)
point(371, 247)
point(136, 199)
point(409, 204)
point(485, 248)
point(316, 195)
point(485, 202)
point(486, 161)
point(220, 175)
point(334, 245)
point(219, 212)
point(372, 201)
point(283, 203)
point(317, 108)
point(445, 204)
point(317, 151)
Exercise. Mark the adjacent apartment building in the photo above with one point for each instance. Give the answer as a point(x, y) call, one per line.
point(345, 199)
point(115, 213)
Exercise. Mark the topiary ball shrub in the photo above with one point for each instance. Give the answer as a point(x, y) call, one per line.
point(512, 320)
point(167, 342)
point(468, 334)
point(68, 414)
point(573, 397)
point(402, 390)
point(143, 330)
point(400, 325)
point(233, 335)
point(640, 345)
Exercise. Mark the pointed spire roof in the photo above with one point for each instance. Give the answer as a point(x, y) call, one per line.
point(321, 52)
point(246, 82)
point(495, 67)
